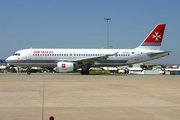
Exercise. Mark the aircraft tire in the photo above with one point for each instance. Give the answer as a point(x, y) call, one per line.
point(28, 72)
point(87, 72)
point(84, 72)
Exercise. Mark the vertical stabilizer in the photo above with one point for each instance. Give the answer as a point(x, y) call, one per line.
point(154, 39)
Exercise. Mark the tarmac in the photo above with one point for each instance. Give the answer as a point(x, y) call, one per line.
point(71, 96)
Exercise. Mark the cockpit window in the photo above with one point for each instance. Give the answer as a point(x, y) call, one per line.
point(16, 54)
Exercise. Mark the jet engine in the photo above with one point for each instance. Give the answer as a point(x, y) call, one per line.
point(64, 66)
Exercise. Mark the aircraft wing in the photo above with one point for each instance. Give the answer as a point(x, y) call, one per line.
point(91, 60)
point(159, 53)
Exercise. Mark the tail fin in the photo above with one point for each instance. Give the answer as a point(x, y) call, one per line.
point(154, 39)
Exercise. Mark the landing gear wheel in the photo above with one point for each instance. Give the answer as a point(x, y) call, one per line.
point(28, 72)
point(87, 72)
point(84, 72)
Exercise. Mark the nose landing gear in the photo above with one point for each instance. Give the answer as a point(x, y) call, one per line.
point(28, 71)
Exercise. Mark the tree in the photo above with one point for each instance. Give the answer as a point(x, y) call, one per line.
point(130, 65)
point(12, 70)
point(33, 70)
point(144, 67)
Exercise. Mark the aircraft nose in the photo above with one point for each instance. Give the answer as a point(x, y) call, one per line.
point(9, 59)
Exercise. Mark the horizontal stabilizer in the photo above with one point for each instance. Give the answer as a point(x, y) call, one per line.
point(159, 53)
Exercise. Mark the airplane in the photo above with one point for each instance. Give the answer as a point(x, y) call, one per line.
point(66, 60)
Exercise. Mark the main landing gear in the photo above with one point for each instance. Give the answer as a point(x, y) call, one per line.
point(84, 72)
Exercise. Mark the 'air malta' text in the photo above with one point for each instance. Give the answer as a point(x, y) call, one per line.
point(44, 51)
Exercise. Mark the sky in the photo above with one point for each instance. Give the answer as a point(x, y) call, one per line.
point(80, 24)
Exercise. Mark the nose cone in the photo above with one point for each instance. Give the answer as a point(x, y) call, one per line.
point(9, 59)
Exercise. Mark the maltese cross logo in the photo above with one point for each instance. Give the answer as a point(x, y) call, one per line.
point(156, 36)
point(63, 65)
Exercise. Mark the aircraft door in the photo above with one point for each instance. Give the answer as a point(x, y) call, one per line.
point(137, 55)
point(72, 56)
point(28, 54)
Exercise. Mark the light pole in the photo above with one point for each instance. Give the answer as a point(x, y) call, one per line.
point(107, 36)
point(107, 32)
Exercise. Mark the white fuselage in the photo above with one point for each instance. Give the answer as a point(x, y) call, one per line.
point(68, 59)
point(50, 57)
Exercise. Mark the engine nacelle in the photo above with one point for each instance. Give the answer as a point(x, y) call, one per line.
point(64, 67)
